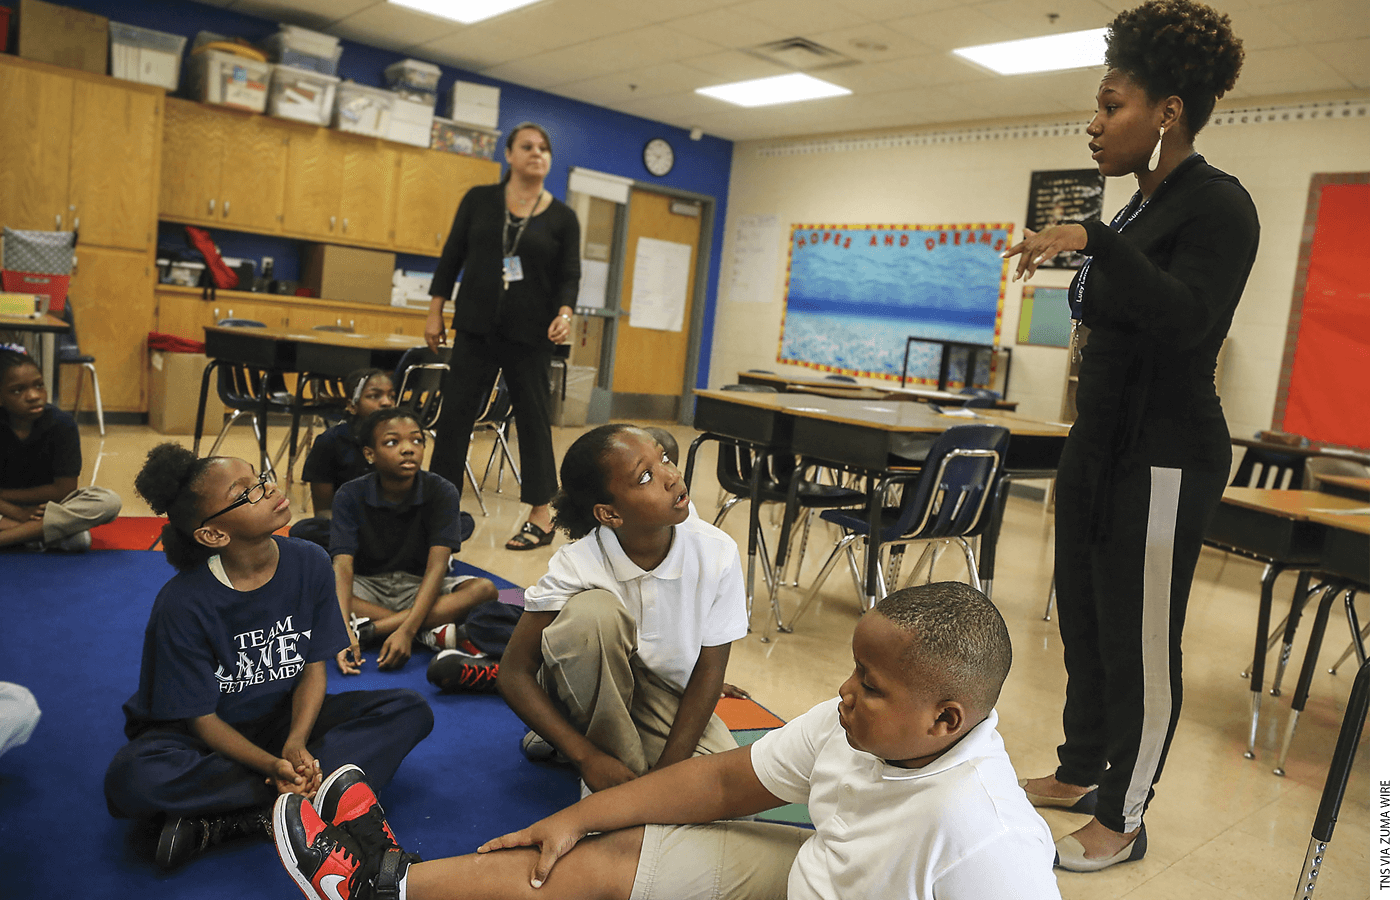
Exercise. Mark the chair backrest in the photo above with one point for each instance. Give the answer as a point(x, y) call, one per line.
point(980, 398)
point(69, 340)
point(340, 329)
point(1282, 469)
point(421, 391)
point(496, 407)
point(1326, 465)
point(241, 323)
point(957, 481)
point(845, 379)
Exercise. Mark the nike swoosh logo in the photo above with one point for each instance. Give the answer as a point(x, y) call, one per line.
point(330, 885)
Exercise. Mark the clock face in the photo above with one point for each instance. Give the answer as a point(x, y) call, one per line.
point(658, 156)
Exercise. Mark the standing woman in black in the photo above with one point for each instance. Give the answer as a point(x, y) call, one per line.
point(1149, 454)
point(517, 249)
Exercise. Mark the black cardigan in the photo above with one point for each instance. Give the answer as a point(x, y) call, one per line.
point(549, 254)
point(1159, 298)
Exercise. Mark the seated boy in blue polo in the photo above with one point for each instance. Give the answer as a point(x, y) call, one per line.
point(393, 534)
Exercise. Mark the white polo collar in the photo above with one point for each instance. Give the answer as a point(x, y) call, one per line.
point(622, 567)
point(974, 745)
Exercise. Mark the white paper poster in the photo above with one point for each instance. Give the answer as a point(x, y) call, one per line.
point(593, 285)
point(753, 251)
point(659, 281)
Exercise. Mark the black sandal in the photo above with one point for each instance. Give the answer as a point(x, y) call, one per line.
point(529, 537)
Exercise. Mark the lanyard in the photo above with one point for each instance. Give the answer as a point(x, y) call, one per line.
point(508, 247)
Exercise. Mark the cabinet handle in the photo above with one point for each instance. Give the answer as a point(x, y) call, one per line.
point(225, 209)
point(345, 225)
point(58, 222)
point(332, 223)
point(211, 206)
point(352, 324)
point(439, 237)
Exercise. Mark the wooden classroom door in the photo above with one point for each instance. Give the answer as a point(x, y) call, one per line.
point(647, 360)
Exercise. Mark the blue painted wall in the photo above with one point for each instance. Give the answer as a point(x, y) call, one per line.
point(582, 134)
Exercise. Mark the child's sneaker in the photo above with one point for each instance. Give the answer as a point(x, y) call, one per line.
point(442, 637)
point(537, 749)
point(456, 672)
point(346, 800)
point(324, 861)
point(365, 631)
point(467, 647)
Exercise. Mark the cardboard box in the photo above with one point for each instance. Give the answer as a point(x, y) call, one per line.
point(62, 36)
point(333, 272)
point(174, 391)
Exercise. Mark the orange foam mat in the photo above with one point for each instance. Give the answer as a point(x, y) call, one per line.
point(743, 715)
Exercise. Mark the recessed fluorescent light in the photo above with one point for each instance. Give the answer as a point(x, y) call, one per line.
point(1073, 50)
point(465, 11)
point(776, 89)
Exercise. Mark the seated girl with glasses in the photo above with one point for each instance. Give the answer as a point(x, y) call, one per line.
point(231, 709)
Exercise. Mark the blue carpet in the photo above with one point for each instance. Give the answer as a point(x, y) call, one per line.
point(73, 637)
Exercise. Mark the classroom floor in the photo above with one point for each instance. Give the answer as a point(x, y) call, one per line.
point(1220, 827)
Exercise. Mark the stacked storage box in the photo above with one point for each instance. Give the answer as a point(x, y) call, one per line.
point(150, 57)
point(301, 94)
point(228, 79)
point(304, 49)
point(415, 87)
point(364, 110)
point(472, 129)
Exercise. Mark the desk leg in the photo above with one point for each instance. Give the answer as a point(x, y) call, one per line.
point(1348, 739)
point(203, 402)
point(874, 588)
point(261, 429)
point(986, 566)
point(296, 419)
point(1295, 614)
point(48, 359)
point(1300, 694)
point(779, 569)
point(1261, 642)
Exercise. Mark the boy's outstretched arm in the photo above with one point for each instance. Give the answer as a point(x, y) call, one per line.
point(702, 789)
point(702, 692)
point(349, 659)
point(43, 493)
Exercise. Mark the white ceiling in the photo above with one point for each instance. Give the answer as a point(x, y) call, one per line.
point(647, 57)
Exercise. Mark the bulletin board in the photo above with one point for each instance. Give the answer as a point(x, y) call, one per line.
point(1044, 318)
point(856, 293)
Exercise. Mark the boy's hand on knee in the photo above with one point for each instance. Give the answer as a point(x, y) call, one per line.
point(553, 837)
point(396, 649)
point(601, 771)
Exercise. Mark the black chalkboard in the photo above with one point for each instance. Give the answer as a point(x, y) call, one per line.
point(1065, 195)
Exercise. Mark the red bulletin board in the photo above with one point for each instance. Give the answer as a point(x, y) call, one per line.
point(1325, 386)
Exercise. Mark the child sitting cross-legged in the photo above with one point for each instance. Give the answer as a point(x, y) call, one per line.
point(231, 708)
point(393, 534)
point(909, 787)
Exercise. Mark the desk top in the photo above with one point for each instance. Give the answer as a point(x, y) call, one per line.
point(1288, 449)
point(30, 323)
point(366, 340)
point(1346, 481)
point(891, 416)
point(1304, 506)
point(830, 388)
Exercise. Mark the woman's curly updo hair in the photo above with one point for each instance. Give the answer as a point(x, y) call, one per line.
point(1177, 47)
point(583, 480)
point(168, 482)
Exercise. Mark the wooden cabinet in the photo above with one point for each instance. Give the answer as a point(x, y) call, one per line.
point(112, 293)
point(79, 151)
point(431, 186)
point(340, 188)
point(222, 168)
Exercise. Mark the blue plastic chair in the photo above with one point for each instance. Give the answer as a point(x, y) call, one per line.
point(979, 398)
point(949, 499)
point(69, 355)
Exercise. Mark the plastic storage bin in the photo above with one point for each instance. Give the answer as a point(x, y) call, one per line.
point(304, 49)
point(476, 104)
point(412, 121)
point(301, 94)
point(413, 75)
point(228, 80)
point(363, 110)
point(147, 56)
point(465, 140)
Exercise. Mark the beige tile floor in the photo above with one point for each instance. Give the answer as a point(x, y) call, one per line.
point(1221, 826)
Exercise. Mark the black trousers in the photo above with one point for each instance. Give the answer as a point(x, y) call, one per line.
point(1122, 590)
point(476, 359)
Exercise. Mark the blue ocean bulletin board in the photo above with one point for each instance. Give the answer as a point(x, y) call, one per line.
point(856, 293)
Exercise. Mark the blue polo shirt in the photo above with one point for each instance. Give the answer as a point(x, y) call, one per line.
point(394, 537)
point(335, 458)
point(49, 453)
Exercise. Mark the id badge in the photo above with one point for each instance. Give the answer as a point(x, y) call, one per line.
point(511, 269)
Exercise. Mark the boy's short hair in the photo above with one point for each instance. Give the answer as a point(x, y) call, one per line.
point(365, 434)
point(666, 440)
point(960, 644)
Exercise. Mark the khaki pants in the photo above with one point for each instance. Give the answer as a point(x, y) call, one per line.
point(719, 861)
point(83, 509)
point(592, 673)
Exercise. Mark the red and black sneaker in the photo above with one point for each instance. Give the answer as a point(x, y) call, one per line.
point(323, 860)
point(346, 801)
point(456, 672)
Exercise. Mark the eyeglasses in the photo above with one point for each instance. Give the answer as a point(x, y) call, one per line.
point(255, 492)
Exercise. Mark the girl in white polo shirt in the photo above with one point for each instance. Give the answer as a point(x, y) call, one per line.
point(619, 658)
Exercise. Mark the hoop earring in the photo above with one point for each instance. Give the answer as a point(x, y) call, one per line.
point(1156, 157)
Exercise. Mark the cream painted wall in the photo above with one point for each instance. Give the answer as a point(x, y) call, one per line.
point(988, 182)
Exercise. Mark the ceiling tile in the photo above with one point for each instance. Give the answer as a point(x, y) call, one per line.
point(958, 27)
point(1260, 30)
point(392, 27)
point(306, 13)
point(1332, 20)
point(884, 10)
point(803, 17)
point(913, 72)
point(730, 28)
point(871, 42)
point(1071, 15)
point(733, 65)
point(1287, 70)
point(1351, 59)
point(636, 84)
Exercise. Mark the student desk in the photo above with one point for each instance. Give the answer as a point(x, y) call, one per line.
point(46, 326)
point(1284, 529)
point(808, 384)
point(308, 353)
point(1345, 486)
point(870, 438)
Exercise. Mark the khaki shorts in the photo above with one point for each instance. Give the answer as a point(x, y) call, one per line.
point(396, 590)
point(719, 861)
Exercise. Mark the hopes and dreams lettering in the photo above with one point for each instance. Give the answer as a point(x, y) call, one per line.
point(264, 655)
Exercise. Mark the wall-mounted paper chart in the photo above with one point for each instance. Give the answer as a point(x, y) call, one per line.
point(659, 281)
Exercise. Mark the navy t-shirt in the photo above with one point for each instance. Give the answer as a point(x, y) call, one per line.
point(335, 458)
point(49, 453)
point(395, 537)
point(238, 654)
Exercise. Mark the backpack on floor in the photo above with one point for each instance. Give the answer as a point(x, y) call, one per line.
point(490, 624)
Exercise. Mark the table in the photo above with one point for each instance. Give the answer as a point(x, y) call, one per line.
point(1281, 528)
point(46, 326)
point(1345, 486)
point(867, 438)
point(308, 353)
point(811, 384)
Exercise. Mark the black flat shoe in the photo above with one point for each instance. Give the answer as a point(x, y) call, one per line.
point(1069, 854)
point(529, 537)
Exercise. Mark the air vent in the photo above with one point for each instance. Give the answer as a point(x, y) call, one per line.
point(801, 55)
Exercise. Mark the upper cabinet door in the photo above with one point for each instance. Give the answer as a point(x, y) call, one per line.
point(367, 194)
point(113, 164)
point(37, 111)
point(254, 175)
point(191, 160)
point(315, 166)
point(421, 218)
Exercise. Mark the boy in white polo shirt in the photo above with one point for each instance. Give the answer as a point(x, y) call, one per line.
point(907, 781)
